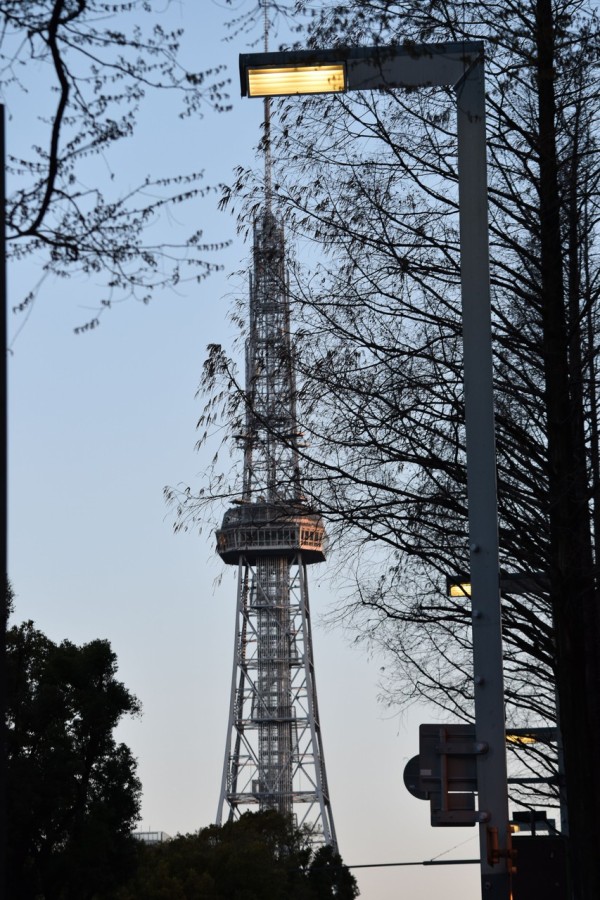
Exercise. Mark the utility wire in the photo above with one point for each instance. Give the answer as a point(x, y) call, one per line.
point(434, 861)
point(423, 862)
point(455, 847)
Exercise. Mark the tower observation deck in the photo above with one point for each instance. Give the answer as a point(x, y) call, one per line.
point(274, 753)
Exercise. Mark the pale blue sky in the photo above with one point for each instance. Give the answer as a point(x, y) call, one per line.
point(99, 424)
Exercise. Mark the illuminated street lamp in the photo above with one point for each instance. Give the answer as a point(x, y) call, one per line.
point(459, 66)
point(458, 586)
point(279, 81)
point(510, 583)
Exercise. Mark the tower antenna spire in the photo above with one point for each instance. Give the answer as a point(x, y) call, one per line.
point(274, 751)
point(267, 120)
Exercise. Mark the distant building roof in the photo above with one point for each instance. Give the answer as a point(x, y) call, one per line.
point(151, 837)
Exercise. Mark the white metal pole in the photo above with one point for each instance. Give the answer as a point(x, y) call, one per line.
point(481, 479)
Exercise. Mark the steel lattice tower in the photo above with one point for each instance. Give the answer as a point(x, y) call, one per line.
point(274, 753)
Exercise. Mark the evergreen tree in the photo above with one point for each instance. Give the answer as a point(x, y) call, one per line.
point(260, 856)
point(73, 793)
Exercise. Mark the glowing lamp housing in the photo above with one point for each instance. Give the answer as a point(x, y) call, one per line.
point(458, 587)
point(287, 74)
point(286, 80)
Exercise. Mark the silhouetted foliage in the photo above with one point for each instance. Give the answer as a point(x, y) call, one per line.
point(73, 794)
point(261, 856)
point(92, 64)
point(328, 876)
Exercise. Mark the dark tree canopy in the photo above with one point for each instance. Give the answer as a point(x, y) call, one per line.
point(73, 793)
point(92, 64)
point(261, 856)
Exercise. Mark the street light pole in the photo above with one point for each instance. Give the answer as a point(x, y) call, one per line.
point(460, 66)
point(481, 478)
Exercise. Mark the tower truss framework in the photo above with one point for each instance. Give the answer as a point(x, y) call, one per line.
point(274, 751)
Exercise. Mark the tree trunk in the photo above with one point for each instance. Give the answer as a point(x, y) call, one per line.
point(571, 569)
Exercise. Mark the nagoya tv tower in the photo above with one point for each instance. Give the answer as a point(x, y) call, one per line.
point(274, 753)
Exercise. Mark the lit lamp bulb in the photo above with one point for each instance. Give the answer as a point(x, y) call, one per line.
point(460, 589)
point(285, 80)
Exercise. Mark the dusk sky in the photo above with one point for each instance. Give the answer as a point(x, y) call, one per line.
point(99, 424)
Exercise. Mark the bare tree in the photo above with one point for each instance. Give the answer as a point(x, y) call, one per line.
point(97, 62)
point(372, 181)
